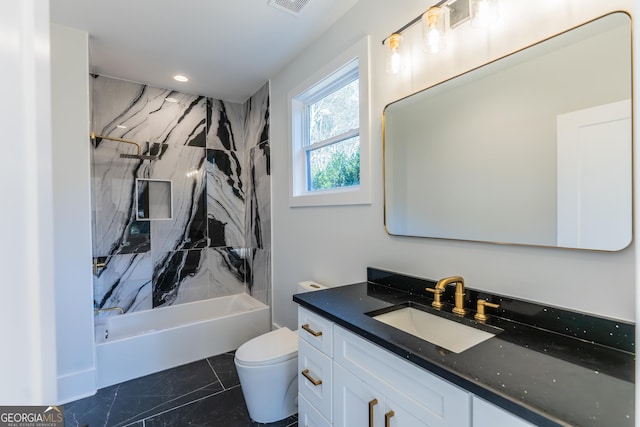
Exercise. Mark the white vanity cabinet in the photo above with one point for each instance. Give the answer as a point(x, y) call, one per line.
point(373, 387)
point(486, 414)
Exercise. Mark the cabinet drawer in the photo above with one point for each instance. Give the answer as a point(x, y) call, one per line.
point(308, 416)
point(316, 330)
point(445, 404)
point(315, 378)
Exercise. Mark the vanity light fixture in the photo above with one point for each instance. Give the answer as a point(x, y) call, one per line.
point(180, 78)
point(394, 54)
point(170, 99)
point(121, 126)
point(435, 25)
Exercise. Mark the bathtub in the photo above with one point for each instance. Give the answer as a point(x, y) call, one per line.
point(133, 345)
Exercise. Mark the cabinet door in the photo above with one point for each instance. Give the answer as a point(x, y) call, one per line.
point(432, 401)
point(487, 415)
point(358, 404)
point(355, 403)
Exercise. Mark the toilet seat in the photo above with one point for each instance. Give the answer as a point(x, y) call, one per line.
point(270, 348)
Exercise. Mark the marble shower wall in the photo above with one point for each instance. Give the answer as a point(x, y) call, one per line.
point(215, 154)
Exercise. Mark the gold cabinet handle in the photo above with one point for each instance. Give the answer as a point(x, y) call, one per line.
point(315, 382)
point(307, 328)
point(387, 418)
point(372, 403)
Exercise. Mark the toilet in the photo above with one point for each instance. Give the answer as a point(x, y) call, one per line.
point(267, 367)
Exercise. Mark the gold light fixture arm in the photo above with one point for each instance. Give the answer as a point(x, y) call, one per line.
point(112, 138)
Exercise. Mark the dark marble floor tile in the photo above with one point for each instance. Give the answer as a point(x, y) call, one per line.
point(226, 409)
point(225, 368)
point(134, 400)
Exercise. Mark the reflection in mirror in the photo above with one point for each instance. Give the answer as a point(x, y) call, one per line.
point(153, 199)
point(534, 148)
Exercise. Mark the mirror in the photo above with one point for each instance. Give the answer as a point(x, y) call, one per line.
point(533, 148)
point(153, 199)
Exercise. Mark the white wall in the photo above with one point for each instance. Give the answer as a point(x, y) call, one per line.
point(334, 245)
point(27, 316)
point(72, 213)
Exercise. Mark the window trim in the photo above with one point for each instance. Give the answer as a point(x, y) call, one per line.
point(334, 74)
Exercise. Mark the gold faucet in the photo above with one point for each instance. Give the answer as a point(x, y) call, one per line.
point(438, 290)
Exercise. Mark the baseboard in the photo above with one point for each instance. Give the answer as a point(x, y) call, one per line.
point(76, 385)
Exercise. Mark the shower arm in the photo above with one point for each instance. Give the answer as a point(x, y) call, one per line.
point(94, 136)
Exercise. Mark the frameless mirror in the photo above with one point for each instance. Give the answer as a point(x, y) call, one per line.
point(534, 148)
point(153, 199)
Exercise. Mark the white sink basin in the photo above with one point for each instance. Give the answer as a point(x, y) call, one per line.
point(442, 332)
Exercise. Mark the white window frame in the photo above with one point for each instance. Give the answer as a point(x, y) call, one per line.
point(329, 78)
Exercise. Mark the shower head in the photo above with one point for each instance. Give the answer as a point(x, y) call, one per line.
point(138, 156)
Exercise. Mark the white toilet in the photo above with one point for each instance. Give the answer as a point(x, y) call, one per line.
point(267, 367)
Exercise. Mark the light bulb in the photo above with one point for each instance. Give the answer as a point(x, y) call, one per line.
point(394, 55)
point(433, 30)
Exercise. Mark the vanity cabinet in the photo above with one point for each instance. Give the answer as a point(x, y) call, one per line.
point(487, 415)
point(398, 393)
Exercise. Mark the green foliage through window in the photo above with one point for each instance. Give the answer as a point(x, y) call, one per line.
point(336, 165)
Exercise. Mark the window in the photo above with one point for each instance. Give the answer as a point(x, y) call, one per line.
point(330, 138)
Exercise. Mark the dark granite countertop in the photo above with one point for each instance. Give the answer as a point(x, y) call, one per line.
point(549, 366)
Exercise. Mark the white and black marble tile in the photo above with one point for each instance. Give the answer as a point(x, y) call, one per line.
point(225, 198)
point(227, 271)
point(187, 229)
point(117, 103)
point(124, 282)
point(120, 109)
point(179, 123)
point(257, 118)
point(258, 220)
point(225, 121)
point(179, 276)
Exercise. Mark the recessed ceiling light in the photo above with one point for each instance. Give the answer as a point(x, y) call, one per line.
point(121, 126)
point(180, 78)
point(170, 99)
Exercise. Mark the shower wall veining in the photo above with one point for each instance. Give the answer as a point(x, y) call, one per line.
point(216, 154)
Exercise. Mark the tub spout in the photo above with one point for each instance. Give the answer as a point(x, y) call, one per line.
point(100, 310)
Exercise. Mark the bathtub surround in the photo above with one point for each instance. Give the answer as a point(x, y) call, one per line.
point(198, 329)
point(216, 155)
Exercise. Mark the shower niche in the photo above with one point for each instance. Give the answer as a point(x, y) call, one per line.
point(153, 199)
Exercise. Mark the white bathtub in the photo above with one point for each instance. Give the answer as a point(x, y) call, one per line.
point(132, 345)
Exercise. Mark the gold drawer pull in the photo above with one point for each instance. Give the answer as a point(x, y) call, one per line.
point(387, 418)
point(307, 328)
point(315, 382)
point(372, 403)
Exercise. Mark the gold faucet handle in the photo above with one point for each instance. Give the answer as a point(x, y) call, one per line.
point(480, 314)
point(437, 292)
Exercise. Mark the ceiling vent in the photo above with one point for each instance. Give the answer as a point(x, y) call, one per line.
point(291, 6)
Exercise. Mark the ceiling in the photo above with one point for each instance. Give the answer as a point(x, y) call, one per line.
point(228, 49)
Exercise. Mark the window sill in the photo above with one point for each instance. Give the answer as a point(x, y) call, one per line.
point(334, 197)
